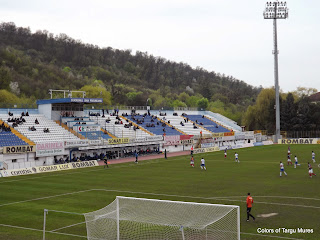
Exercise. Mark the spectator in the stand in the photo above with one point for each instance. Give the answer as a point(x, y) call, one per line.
point(36, 121)
point(22, 114)
point(27, 114)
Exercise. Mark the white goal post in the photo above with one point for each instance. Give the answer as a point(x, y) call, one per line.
point(148, 219)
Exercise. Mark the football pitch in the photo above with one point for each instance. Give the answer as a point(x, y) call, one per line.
point(289, 202)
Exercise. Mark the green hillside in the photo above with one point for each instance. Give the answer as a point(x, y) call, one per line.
point(32, 63)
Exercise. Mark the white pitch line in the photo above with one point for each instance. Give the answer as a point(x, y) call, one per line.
point(80, 236)
point(41, 198)
point(40, 230)
point(208, 198)
point(67, 226)
point(227, 198)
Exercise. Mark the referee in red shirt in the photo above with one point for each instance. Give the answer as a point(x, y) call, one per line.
point(249, 206)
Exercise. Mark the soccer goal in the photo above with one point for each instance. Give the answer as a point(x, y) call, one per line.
point(148, 219)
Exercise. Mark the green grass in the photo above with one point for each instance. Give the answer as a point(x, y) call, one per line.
point(171, 179)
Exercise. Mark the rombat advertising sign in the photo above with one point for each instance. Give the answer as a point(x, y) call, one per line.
point(19, 149)
point(50, 168)
point(298, 141)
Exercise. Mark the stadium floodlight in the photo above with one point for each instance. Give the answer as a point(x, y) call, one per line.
point(141, 218)
point(276, 10)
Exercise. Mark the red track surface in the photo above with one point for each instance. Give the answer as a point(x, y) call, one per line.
point(143, 158)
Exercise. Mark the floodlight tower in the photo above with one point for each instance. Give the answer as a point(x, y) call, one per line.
point(276, 10)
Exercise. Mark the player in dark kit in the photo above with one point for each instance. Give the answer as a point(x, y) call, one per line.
point(106, 163)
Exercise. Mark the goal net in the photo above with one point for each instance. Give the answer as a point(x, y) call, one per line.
point(148, 219)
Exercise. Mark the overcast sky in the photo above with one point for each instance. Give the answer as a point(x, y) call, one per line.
point(225, 36)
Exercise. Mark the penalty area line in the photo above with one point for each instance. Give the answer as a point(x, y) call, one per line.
point(40, 230)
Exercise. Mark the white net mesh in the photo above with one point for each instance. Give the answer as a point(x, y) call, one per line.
point(148, 219)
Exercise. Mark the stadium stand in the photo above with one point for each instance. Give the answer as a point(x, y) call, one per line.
point(155, 125)
point(36, 132)
point(11, 137)
point(207, 123)
point(187, 127)
point(119, 127)
point(224, 121)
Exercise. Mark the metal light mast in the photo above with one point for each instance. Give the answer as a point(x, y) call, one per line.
point(276, 10)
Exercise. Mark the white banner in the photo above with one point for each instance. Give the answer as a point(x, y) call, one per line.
point(49, 149)
point(95, 142)
point(147, 139)
point(172, 140)
point(50, 168)
point(204, 150)
point(77, 143)
point(87, 128)
point(206, 145)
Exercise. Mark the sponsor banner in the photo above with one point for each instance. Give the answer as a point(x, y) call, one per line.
point(204, 150)
point(80, 143)
point(86, 100)
point(229, 134)
point(206, 145)
point(84, 164)
point(240, 136)
point(50, 145)
point(256, 144)
point(267, 142)
point(87, 128)
point(171, 140)
point(147, 139)
point(185, 137)
point(222, 148)
point(49, 149)
point(19, 149)
point(51, 168)
point(95, 142)
point(49, 152)
point(216, 135)
point(249, 134)
point(245, 145)
point(186, 142)
point(228, 138)
point(207, 140)
point(118, 140)
point(298, 141)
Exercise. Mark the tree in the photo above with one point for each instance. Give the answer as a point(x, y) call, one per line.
point(262, 114)
point(5, 78)
point(304, 91)
point(288, 113)
point(203, 103)
point(97, 92)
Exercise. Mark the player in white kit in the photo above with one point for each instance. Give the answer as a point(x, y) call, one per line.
point(282, 169)
point(203, 165)
point(313, 157)
point(296, 162)
point(236, 157)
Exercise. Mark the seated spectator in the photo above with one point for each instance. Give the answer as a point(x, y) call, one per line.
point(27, 114)
point(202, 116)
point(36, 121)
point(22, 114)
